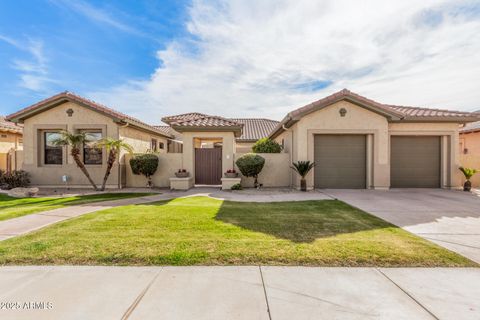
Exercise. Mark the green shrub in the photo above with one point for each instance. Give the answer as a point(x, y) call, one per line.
point(14, 179)
point(468, 172)
point(236, 186)
point(266, 145)
point(251, 165)
point(145, 164)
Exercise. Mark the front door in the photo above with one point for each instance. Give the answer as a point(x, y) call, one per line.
point(208, 166)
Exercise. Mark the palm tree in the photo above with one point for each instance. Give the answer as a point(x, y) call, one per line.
point(303, 168)
point(113, 147)
point(75, 141)
point(468, 173)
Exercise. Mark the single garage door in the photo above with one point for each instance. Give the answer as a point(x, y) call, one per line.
point(341, 161)
point(415, 162)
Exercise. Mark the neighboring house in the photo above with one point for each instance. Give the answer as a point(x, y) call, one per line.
point(47, 163)
point(11, 141)
point(355, 143)
point(470, 148)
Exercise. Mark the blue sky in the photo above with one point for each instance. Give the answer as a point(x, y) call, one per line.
point(53, 45)
point(239, 58)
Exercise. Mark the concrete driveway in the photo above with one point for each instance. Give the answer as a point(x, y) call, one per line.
point(449, 218)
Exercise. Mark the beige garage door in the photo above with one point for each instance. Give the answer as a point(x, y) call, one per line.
point(415, 162)
point(341, 161)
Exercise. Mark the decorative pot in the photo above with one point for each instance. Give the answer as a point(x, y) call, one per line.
point(182, 174)
point(467, 186)
point(303, 185)
point(231, 174)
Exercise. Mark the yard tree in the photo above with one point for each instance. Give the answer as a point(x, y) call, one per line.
point(251, 165)
point(145, 164)
point(76, 141)
point(113, 147)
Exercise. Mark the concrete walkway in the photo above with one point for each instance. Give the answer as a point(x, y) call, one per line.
point(28, 223)
point(448, 218)
point(238, 293)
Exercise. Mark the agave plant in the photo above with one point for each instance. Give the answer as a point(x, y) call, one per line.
point(468, 173)
point(303, 168)
point(75, 141)
point(113, 148)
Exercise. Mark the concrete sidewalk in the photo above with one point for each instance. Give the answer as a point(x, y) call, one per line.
point(238, 293)
point(28, 223)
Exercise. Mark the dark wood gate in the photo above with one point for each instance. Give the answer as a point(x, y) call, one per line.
point(208, 166)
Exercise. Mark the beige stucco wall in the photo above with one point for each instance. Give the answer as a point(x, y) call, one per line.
point(11, 141)
point(275, 173)
point(167, 165)
point(82, 119)
point(140, 140)
point(244, 147)
point(471, 159)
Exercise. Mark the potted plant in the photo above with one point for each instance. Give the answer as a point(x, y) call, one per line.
point(468, 173)
point(182, 173)
point(231, 173)
point(303, 168)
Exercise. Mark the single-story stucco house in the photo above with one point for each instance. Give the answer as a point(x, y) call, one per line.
point(354, 141)
point(11, 140)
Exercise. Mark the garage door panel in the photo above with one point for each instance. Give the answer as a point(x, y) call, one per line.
point(415, 162)
point(340, 161)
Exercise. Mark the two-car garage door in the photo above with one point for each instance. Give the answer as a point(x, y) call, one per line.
point(341, 161)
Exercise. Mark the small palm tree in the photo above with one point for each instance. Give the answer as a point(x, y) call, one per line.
point(303, 168)
point(113, 148)
point(75, 141)
point(468, 173)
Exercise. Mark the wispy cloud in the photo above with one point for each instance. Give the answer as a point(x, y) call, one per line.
point(33, 70)
point(263, 58)
point(97, 15)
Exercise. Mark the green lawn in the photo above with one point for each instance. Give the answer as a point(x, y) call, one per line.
point(16, 207)
point(207, 231)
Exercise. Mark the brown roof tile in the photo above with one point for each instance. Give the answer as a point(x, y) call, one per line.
point(183, 116)
point(471, 127)
point(9, 126)
point(255, 128)
point(205, 121)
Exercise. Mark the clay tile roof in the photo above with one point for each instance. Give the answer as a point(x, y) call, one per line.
point(205, 121)
point(165, 129)
point(428, 112)
point(69, 96)
point(184, 116)
point(255, 128)
point(471, 127)
point(6, 125)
